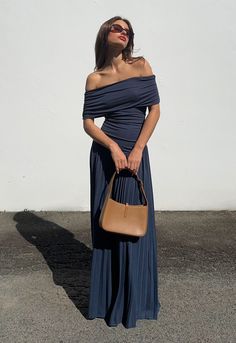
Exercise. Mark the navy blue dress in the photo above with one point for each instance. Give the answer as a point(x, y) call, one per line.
point(124, 269)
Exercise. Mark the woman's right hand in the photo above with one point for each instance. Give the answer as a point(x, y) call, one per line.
point(118, 157)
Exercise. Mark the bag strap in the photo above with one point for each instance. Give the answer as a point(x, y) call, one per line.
point(140, 183)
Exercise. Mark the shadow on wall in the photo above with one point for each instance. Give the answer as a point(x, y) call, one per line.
point(68, 258)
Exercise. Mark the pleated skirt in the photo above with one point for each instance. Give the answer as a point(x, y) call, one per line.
point(124, 269)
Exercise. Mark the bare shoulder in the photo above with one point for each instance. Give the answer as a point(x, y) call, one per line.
point(144, 67)
point(92, 81)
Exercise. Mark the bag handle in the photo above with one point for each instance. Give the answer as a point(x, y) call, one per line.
point(140, 183)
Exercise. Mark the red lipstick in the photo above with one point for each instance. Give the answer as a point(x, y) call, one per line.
point(123, 38)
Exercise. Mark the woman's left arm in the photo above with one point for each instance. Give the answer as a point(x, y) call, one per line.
point(149, 125)
point(135, 156)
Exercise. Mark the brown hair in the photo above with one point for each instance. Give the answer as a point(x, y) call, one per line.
point(101, 43)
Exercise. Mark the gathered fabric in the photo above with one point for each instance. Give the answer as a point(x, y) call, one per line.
point(123, 104)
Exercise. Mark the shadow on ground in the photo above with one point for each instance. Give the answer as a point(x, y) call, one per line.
point(68, 258)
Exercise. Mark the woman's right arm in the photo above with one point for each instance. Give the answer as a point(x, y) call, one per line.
point(99, 136)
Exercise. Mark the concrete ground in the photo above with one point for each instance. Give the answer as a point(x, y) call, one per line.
point(45, 268)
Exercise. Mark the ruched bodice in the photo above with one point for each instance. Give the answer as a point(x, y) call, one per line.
point(123, 104)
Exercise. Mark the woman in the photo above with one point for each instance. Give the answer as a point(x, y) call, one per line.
point(124, 278)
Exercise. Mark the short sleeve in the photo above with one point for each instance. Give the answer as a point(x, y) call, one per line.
point(91, 107)
point(154, 97)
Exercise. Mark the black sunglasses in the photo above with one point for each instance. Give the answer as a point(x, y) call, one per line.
point(118, 29)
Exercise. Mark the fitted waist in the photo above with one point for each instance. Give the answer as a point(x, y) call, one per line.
point(122, 130)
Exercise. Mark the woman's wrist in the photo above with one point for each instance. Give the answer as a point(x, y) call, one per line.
point(112, 146)
point(139, 147)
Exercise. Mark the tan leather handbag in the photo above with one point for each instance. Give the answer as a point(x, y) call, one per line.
point(124, 218)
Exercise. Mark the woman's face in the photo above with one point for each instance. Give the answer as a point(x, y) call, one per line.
point(118, 38)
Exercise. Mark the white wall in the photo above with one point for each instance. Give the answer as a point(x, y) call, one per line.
point(47, 50)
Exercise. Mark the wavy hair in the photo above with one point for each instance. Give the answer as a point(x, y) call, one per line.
point(101, 43)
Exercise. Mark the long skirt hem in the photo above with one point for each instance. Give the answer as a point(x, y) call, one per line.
point(147, 315)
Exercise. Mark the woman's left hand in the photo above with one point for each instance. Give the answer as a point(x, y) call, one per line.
point(134, 160)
